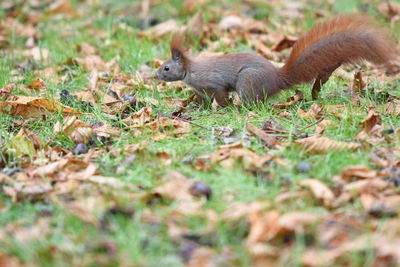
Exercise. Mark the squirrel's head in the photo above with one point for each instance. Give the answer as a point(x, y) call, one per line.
point(174, 69)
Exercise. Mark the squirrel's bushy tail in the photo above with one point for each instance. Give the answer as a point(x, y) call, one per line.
point(344, 39)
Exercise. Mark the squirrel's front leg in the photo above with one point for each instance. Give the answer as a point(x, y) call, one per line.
point(202, 96)
point(222, 98)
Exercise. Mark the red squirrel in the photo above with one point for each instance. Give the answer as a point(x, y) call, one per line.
point(343, 39)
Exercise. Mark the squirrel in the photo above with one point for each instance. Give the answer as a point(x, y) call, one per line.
point(341, 40)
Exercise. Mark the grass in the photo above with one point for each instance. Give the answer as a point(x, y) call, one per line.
point(71, 241)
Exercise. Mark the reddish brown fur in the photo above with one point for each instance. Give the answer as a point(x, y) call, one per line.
point(344, 39)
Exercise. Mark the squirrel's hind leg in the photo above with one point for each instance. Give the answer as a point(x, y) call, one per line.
point(321, 79)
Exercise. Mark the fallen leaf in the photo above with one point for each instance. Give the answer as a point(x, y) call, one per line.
point(320, 144)
point(323, 125)
point(21, 145)
point(284, 43)
point(267, 139)
point(177, 187)
point(360, 172)
point(6, 90)
point(161, 29)
point(358, 85)
point(298, 96)
point(371, 128)
point(231, 22)
point(195, 25)
point(38, 84)
point(263, 227)
point(28, 106)
point(315, 112)
point(228, 156)
point(61, 7)
point(320, 191)
point(139, 118)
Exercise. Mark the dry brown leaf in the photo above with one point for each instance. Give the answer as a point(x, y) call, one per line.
point(338, 228)
point(392, 108)
point(228, 155)
point(285, 114)
point(354, 189)
point(336, 110)
point(358, 85)
point(10, 261)
point(284, 43)
point(202, 256)
point(11, 25)
point(267, 139)
point(161, 29)
point(88, 209)
point(315, 112)
point(92, 62)
point(296, 221)
point(324, 124)
point(195, 25)
point(371, 128)
point(320, 144)
point(38, 84)
point(164, 157)
point(86, 96)
point(29, 190)
point(360, 172)
point(369, 185)
point(28, 106)
point(263, 227)
point(105, 181)
point(61, 7)
point(103, 129)
point(262, 49)
point(37, 143)
point(237, 211)
point(384, 247)
point(24, 235)
point(390, 8)
point(78, 130)
point(320, 191)
point(367, 200)
point(86, 49)
point(231, 22)
point(163, 127)
point(6, 90)
point(37, 53)
point(94, 78)
point(65, 169)
point(177, 187)
point(192, 5)
point(139, 118)
point(298, 96)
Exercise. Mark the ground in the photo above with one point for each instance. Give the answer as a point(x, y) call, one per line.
point(101, 164)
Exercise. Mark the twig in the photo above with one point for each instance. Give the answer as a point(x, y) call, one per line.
point(276, 131)
point(191, 122)
point(311, 124)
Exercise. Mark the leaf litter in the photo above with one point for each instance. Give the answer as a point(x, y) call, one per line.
point(120, 115)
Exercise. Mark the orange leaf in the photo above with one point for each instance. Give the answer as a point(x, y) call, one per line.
point(28, 106)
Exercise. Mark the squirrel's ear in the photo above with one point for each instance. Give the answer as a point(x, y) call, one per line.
point(177, 48)
point(176, 54)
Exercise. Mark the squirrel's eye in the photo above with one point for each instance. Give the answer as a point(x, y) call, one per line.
point(166, 68)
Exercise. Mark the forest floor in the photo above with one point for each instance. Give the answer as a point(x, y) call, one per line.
point(103, 165)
